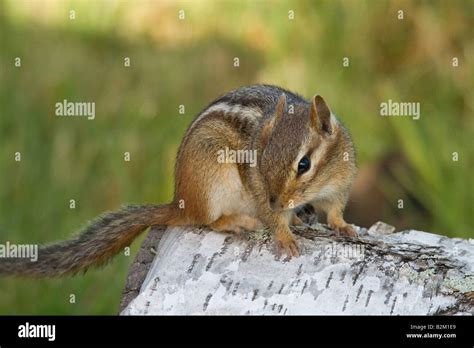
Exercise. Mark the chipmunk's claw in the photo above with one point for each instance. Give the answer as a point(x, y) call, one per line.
point(346, 230)
point(287, 244)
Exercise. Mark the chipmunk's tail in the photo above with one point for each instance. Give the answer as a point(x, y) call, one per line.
point(96, 244)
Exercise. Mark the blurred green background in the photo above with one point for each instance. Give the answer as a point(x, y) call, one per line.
point(191, 62)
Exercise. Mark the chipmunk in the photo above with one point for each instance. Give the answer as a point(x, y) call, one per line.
point(303, 155)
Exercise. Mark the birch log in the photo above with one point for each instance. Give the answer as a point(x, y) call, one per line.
point(197, 271)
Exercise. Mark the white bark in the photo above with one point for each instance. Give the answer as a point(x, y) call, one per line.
point(410, 272)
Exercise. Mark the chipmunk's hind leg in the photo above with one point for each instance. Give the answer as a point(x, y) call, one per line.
point(236, 223)
point(229, 206)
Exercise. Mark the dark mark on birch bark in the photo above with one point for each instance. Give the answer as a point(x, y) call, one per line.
point(343, 275)
point(211, 261)
point(329, 279)
point(155, 282)
point(226, 282)
point(369, 295)
point(195, 260)
point(147, 306)
point(357, 275)
point(359, 291)
point(227, 241)
point(236, 287)
point(393, 305)
point(345, 303)
point(206, 303)
point(304, 287)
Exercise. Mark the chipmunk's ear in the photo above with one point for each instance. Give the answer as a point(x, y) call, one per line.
point(270, 124)
point(280, 108)
point(320, 116)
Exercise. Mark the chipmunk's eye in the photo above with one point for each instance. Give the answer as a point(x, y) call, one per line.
point(304, 165)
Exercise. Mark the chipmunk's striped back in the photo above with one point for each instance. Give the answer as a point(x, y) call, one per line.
point(249, 104)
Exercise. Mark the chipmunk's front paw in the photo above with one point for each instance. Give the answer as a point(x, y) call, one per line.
point(345, 230)
point(286, 243)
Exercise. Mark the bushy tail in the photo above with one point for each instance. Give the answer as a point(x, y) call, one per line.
point(97, 243)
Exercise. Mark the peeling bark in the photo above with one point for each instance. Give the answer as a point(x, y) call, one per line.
point(197, 271)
